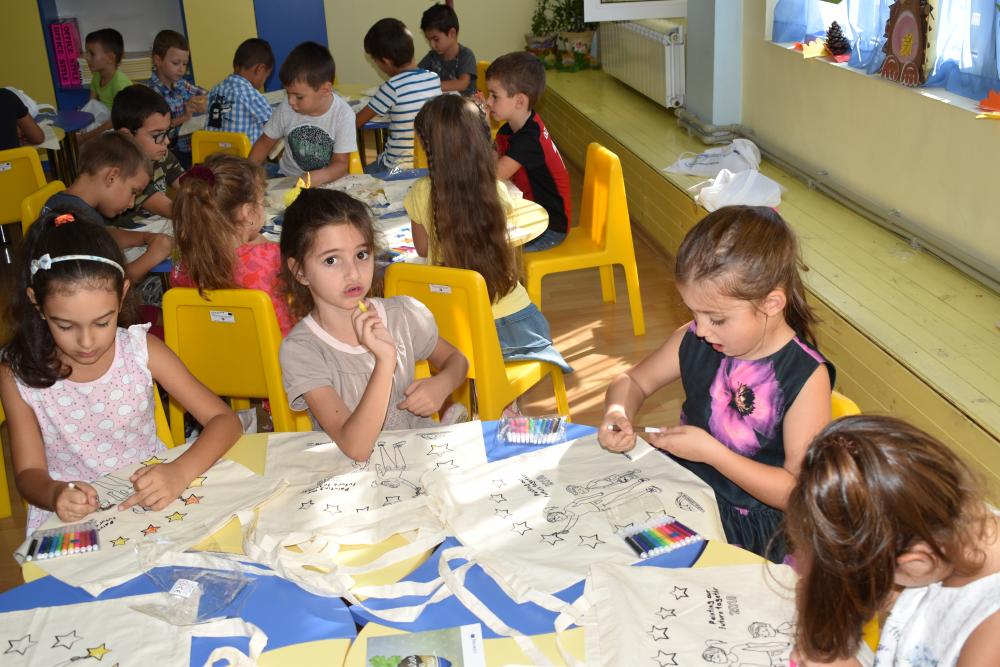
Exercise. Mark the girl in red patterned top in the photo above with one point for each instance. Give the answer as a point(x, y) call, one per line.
point(218, 214)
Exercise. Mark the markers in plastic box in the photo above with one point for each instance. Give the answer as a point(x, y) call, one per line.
point(533, 430)
point(658, 536)
point(63, 541)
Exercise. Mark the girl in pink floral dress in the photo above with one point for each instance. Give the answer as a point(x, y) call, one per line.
point(218, 214)
point(77, 388)
point(756, 389)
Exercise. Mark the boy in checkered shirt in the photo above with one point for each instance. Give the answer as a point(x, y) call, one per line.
point(236, 105)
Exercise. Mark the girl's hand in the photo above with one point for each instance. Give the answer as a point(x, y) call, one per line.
point(74, 501)
point(373, 335)
point(424, 397)
point(155, 487)
point(622, 440)
point(687, 442)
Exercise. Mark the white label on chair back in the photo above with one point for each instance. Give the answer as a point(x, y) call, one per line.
point(225, 144)
point(5, 166)
point(440, 289)
point(222, 316)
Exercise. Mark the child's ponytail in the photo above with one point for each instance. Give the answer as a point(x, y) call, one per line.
point(205, 214)
point(871, 487)
point(31, 352)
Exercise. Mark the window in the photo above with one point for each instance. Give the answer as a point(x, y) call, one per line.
point(965, 52)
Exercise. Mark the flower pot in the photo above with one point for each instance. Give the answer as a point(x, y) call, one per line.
point(539, 43)
point(576, 42)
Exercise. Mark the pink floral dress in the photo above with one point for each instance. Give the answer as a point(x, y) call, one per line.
point(93, 428)
point(257, 267)
point(742, 404)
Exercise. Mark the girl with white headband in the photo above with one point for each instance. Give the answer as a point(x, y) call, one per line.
point(77, 389)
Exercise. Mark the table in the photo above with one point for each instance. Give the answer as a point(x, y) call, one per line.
point(70, 122)
point(526, 222)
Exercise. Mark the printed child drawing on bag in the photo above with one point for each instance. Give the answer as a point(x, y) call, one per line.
point(751, 654)
point(599, 495)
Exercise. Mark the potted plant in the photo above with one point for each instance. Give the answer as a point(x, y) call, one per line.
point(542, 37)
point(575, 34)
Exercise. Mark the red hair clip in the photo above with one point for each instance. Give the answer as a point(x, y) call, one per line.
point(200, 172)
point(63, 219)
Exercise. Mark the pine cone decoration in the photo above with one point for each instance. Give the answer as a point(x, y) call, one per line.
point(835, 40)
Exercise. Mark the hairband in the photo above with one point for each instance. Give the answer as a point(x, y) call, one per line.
point(45, 262)
point(63, 219)
point(200, 172)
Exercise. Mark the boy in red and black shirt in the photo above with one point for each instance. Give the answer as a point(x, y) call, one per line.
point(526, 153)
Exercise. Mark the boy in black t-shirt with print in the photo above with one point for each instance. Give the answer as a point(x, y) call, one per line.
point(526, 153)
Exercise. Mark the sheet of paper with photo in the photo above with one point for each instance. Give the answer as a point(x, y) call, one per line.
point(112, 632)
point(740, 615)
point(537, 522)
point(225, 490)
point(333, 500)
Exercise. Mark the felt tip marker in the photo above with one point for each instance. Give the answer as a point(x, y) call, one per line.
point(644, 429)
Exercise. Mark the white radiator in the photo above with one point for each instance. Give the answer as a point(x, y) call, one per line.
point(647, 55)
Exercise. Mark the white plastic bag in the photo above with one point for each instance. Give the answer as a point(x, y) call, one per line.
point(740, 155)
point(100, 112)
point(750, 188)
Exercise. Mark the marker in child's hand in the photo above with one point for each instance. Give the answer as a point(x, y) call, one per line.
point(362, 307)
point(644, 429)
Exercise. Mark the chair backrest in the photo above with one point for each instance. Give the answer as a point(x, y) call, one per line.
point(31, 206)
point(419, 154)
point(461, 307)
point(354, 164)
point(481, 67)
point(841, 406)
point(229, 341)
point(206, 142)
point(20, 175)
point(603, 207)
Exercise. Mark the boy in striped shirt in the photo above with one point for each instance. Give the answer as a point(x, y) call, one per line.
point(390, 46)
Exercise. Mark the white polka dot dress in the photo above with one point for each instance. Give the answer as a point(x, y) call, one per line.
point(93, 428)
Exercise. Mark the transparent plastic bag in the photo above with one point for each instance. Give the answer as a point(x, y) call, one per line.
point(197, 595)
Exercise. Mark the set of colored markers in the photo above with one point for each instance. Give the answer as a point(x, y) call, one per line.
point(658, 536)
point(75, 539)
point(532, 430)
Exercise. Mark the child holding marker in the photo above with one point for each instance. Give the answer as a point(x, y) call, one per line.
point(77, 389)
point(756, 388)
point(351, 360)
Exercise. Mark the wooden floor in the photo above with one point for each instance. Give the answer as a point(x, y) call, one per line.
point(596, 339)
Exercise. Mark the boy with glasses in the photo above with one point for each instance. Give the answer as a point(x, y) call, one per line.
point(144, 115)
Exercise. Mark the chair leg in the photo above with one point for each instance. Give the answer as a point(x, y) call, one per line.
point(559, 387)
point(634, 298)
point(175, 414)
point(608, 283)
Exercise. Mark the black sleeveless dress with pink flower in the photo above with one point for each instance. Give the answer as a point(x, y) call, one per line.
point(742, 404)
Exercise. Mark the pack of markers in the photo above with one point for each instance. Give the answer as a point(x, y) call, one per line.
point(540, 431)
point(659, 535)
point(77, 538)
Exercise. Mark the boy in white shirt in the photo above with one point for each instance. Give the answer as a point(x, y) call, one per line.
point(316, 124)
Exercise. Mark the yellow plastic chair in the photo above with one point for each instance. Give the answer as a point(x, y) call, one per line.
point(20, 175)
point(354, 165)
point(603, 239)
point(206, 142)
point(461, 306)
point(31, 206)
point(841, 406)
point(419, 154)
point(230, 343)
point(481, 68)
point(160, 417)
